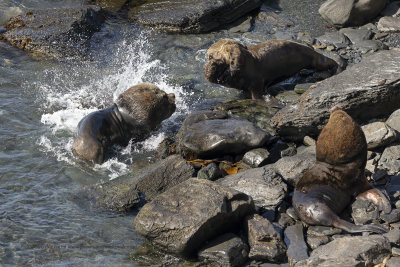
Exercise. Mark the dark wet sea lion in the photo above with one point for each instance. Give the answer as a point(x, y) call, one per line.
point(327, 188)
point(253, 68)
point(137, 112)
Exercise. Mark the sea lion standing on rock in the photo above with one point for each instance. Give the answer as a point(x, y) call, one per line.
point(254, 68)
point(338, 174)
point(137, 112)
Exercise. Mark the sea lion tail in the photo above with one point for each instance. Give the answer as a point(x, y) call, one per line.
point(352, 228)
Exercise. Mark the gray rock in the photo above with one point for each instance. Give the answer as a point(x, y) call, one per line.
point(284, 220)
point(337, 39)
point(392, 217)
point(226, 250)
point(343, 262)
point(367, 90)
point(302, 87)
point(342, 13)
point(316, 241)
point(210, 172)
point(292, 168)
point(357, 35)
point(163, 175)
point(297, 247)
point(110, 5)
point(368, 249)
point(323, 231)
point(256, 157)
point(212, 134)
point(8, 13)
point(308, 141)
point(243, 26)
point(396, 252)
point(390, 159)
point(393, 262)
point(364, 212)
point(389, 24)
point(265, 241)
point(181, 219)
point(378, 134)
point(392, 9)
point(190, 16)
point(393, 236)
point(55, 33)
point(394, 120)
point(263, 184)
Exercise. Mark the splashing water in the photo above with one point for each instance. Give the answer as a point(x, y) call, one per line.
point(71, 91)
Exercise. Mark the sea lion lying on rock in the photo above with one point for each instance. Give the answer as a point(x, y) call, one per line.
point(338, 175)
point(137, 112)
point(253, 68)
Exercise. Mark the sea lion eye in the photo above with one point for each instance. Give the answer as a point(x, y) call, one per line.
point(210, 57)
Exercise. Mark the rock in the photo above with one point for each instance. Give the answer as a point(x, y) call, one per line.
point(190, 16)
point(378, 134)
point(344, 262)
point(390, 159)
point(110, 5)
point(394, 120)
point(392, 9)
point(226, 250)
point(364, 212)
point(393, 262)
point(208, 134)
point(163, 175)
point(392, 217)
point(323, 231)
point(335, 38)
point(308, 141)
point(263, 184)
point(243, 26)
point(7, 13)
point(256, 157)
point(302, 87)
point(342, 13)
point(181, 219)
point(210, 172)
point(265, 241)
point(366, 249)
point(284, 220)
point(393, 236)
point(357, 35)
point(366, 90)
point(316, 241)
point(292, 168)
point(117, 195)
point(297, 247)
point(55, 33)
point(389, 24)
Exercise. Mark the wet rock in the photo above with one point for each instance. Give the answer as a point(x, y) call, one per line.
point(116, 195)
point(335, 38)
point(378, 134)
point(393, 262)
point(274, 20)
point(181, 219)
point(226, 250)
point(366, 90)
point(242, 26)
point(190, 16)
point(210, 172)
point(394, 120)
point(212, 134)
point(366, 249)
point(393, 236)
point(390, 159)
point(342, 13)
point(284, 220)
point(292, 168)
point(163, 175)
point(55, 33)
point(2, 29)
point(323, 231)
point(392, 217)
point(389, 24)
point(364, 212)
point(110, 5)
point(263, 184)
point(302, 87)
point(265, 241)
point(297, 247)
point(256, 157)
point(316, 241)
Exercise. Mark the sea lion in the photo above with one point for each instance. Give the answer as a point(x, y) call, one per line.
point(137, 112)
point(338, 174)
point(253, 68)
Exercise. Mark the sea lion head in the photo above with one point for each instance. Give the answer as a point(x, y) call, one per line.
point(225, 60)
point(341, 140)
point(145, 105)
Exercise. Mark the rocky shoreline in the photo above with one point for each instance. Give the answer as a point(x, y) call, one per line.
point(220, 192)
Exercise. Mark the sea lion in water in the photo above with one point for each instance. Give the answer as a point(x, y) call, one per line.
point(253, 68)
point(137, 112)
point(326, 189)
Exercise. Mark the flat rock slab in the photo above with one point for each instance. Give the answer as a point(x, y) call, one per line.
point(297, 247)
point(192, 16)
point(367, 90)
point(55, 33)
point(378, 134)
point(263, 184)
point(181, 219)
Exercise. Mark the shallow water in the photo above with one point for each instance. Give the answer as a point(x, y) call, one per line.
point(41, 102)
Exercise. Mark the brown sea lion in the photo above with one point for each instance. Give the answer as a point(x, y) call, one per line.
point(327, 188)
point(137, 112)
point(254, 68)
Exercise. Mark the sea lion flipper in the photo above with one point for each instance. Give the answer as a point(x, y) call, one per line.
point(378, 198)
point(352, 228)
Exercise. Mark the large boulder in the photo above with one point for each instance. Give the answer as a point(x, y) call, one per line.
point(207, 134)
point(342, 13)
point(192, 16)
point(55, 33)
point(181, 219)
point(263, 184)
point(365, 91)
